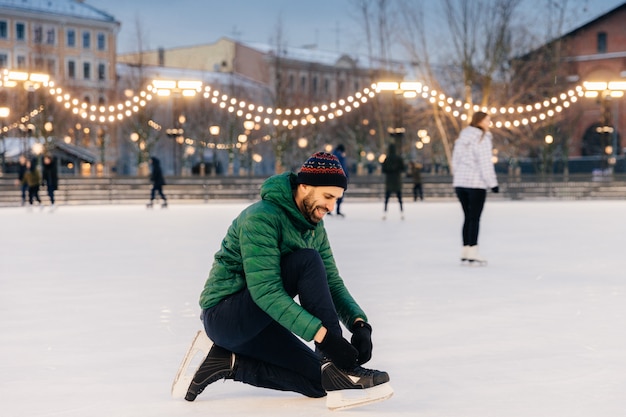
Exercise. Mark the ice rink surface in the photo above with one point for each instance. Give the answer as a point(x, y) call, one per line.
point(99, 303)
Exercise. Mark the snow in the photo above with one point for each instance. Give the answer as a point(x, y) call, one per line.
point(98, 305)
point(61, 7)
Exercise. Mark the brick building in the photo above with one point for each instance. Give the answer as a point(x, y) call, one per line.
point(596, 53)
point(592, 55)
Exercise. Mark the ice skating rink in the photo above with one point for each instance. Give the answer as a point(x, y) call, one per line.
point(99, 303)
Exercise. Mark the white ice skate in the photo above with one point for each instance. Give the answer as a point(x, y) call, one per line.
point(474, 257)
point(464, 253)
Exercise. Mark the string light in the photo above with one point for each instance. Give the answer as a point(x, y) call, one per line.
point(516, 115)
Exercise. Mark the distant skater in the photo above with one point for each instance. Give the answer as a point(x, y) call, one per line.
point(393, 167)
point(50, 177)
point(156, 177)
point(32, 179)
point(340, 153)
point(416, 174)
point(22, 169)
point(473, 175)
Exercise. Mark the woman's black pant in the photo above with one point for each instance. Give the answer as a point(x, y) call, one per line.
point(472, 200)
point(269, 355)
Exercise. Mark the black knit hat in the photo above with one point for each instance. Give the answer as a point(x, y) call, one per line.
point(323, 169)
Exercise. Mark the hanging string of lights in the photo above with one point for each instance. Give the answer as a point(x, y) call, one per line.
point(101, 114)
point(22, 120)
point(302, 116)
point(548, 107)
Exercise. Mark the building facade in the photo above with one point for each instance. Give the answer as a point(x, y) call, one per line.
point(295, 75)
point(596, 53)
point(69, 40)
point(592, 56)
point(76, 46)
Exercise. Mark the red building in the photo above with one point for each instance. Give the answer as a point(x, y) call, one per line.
point(594, 55)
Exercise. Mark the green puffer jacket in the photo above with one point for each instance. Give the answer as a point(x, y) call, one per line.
point(250, 257)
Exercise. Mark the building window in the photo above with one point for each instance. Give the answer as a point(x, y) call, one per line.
point(21, 62)
point(38, 64)
point(4, 31)
point(314, 86)
point(38, 34)
point(71, 70)
point(50, 36)
point(102, 74)
point(71, 38)
point(601, 42)
point(303, 83)
point(326, 85)
point(86, 71)
point(4, 60)
point(51, 66)
point(20, 31)
point(86, 40)
point(291, 82)
point(102, 42)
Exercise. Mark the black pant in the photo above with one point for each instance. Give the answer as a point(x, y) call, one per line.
point(269, 355)
point(339, 201)
point(417, 192)
point(157, 189)
point(33, 194)
point(388, 194)
point(24, 190)
point(51, 194)
point(472, 200)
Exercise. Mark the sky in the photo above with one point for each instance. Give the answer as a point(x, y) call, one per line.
point(98, 305)
point(332, 25)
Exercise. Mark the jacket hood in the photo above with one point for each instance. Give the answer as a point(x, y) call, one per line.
point(279, 190)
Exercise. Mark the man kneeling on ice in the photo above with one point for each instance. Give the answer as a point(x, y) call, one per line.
point(275, 249)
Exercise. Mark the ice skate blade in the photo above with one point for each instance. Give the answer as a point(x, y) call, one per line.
point(351, 398)
point(474, 262)
point(196, 353)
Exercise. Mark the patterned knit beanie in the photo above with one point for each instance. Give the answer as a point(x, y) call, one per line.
point(323, 169)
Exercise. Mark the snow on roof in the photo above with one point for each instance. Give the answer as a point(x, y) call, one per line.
point(209, 77)
point(74, 8)
point(300, 54)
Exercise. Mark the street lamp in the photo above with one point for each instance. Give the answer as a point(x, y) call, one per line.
point(4, 113)
point(608, 91)
point(176, 88)
point(214, 131)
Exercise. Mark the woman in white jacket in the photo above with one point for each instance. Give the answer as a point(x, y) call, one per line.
point(473, 175)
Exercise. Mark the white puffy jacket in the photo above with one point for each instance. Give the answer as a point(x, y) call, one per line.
point(471, 160)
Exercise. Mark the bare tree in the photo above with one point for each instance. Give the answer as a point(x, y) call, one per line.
point(479, 45)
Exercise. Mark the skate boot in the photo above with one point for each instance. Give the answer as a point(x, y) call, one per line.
point(464, 253)
point(474, 257)
point(164, 205)
point(150, 204)
point(355, 387)
point(219, 364)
